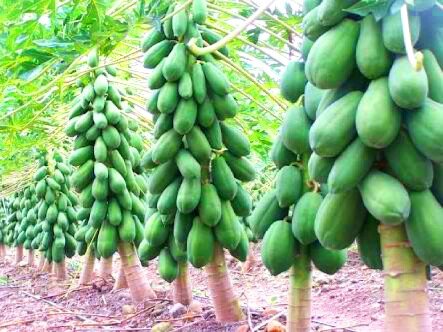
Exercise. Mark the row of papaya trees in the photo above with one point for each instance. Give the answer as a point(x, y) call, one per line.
point(358, 158)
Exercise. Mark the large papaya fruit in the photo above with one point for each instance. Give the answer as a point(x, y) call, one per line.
point(378, 119)
point(385, 198)
point(425, 227)
point(332, 57)
point(279, 248)
point(339, 219)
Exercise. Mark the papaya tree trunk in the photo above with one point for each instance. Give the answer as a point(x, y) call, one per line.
point(120, 282)
point(105, 268)
point(299, 303)
point(182, 292)
point(250, 260)
point(226, 305)
point(41, 262)
point(18, 254)
point(406, 298)
point(31, 257)
point(60, 270)
point(137, 283)
point(47, 267)
point(2, 251)
point(87, 273)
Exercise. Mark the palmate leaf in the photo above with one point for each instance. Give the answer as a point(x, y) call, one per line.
point(379, 8)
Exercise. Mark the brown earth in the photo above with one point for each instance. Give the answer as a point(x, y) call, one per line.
point(351, 300)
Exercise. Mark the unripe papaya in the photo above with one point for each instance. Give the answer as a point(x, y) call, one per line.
point(293, 81)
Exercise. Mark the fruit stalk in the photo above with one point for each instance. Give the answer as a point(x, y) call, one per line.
point(299, 304)
point(88, 268)
point(182, 292)
point(137, 283)
point(226, 305)
point(406, 299)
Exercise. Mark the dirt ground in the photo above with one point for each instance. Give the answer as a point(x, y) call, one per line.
point(350, 301)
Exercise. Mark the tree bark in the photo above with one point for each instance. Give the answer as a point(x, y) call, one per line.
point(226, 305)
point(2, 251)
point(87, 273)
point(31, 257)
point(41, 263)
point(18, 254)
point(60, 270)
point(182, 291)
point(47, 267)
point(299, 303)
point(406, 298)
point(105, 268)
point(250, 260)
point(137, 283)
point(120, 282)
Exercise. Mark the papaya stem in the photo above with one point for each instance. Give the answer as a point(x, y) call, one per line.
point(270, 32)
point(299, 303)
point(222, 42)
point(250, 78)
point(226, 305)
point(182, 292)
point(415, 59)
point(177, 10)
point(406, 298)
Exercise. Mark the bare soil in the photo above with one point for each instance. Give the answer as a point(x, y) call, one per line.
point(351, 300)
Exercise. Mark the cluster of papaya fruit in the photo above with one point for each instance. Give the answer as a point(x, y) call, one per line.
point(107, 152)
point(199, 159)
point(374, 125)
point(55, 211)
point(3, 217)
point(21, 216)
point(285, 216)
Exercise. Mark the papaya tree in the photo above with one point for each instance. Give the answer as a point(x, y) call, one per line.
point(199, 161)
point(106, 152)
point(377, 142)
point(285, 216)
point(56, 213)
point(3, 216)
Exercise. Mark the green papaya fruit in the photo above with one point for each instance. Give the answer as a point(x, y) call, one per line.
point(303, 217)
point(408, 87)
point(295, 130)
point(425, 227)
point(289, 185)
point(209, 208)
point(368, 241)
point(434, 75)
point(200, 244)
point(312, 98)
point(425, 129)
point(332, 57)
point(319, 167)
point(279, 248)
point(373, 59)
point(351, 166)
point(348, 208)
point(266, 213)
point(335, 128)
point(293, 81)
point(228, 229)
point(385, 198)
point(167, 266)
point(189, 195)
point(392, 31)
point(325, 260)
point(378, 119)
point(413, 169)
